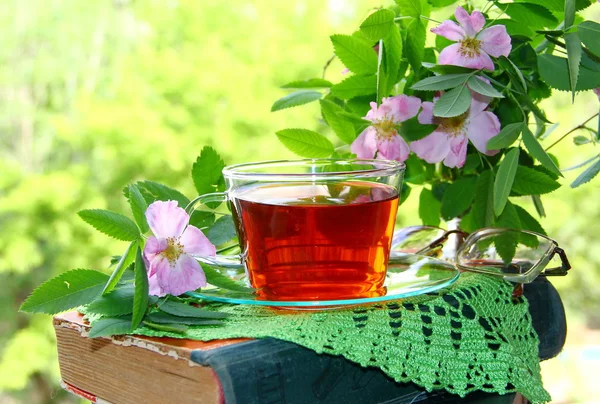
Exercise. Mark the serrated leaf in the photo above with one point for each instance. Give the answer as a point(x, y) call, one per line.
point(175, 328)
point(443, 82)
point(126, 259)
point(534, 16)
point(295, 99)
point(448, 69)
point(552, 5)
point(185, 310)
point(589, 32)
point(528, 222)
point(116, 303)
point(453, 103)
point(310, 83)
point(165, 318)
point(554, 70)
point(415, 170)
point(429, 208)
point(222, 231)
point(377, 25)
point(514, 72)
point(202, 219)
point(506, 137)
point(504, 180)
point(537, 151)
point(110, 223)
point(357, 55)
point(138, 207)
point(65, 292)
point(415, 43)
point(153, 191)
point(343, 128)
point(355, 86)
point(305, 143)
point(587, 175)
point(392, 46)
point(506, 244)
point(479, 86)
point(574, 51)
point(106, 327)
point(569, 14)
point(207, 171)
point(539, 206)
point(441, 3)
point(529, 181)
point(413, 8)
point(140, 297)
point(215, 278)
point(458, 197)
point(411, 130)
point(483, 204)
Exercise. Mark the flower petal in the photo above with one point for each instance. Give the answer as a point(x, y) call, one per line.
point(375, 113)
point(479, 102)
point(426, 115)
point(159, 264)
point(393, 148)
point(433, 148)
point(365, 144)
point(153, 247)
point(195, 242)
point(472, 24)
point(186, 275)
point(154, 288)
point(450, 30)
point(451, 55)
point(166, 219)
point(597, 90)
point(458, 152)
point(402, 107)
point(481, 128)
point(495, 41)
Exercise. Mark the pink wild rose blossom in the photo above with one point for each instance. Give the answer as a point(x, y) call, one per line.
point(171, 268)
point(448, 142)
point(381, 137)
point(474, 46)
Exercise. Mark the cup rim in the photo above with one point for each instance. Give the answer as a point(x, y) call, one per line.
point(383, 167)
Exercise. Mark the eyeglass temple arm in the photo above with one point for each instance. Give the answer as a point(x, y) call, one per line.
point(561, 270)
point(441, 240)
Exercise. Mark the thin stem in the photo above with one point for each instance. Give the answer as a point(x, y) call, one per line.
point(545, 43)
point(331, 59)
point(580, 126)
point(555, 41)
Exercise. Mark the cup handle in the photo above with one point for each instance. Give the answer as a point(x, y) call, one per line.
point(222, 261)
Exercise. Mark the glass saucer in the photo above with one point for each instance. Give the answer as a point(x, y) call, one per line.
point(408, 275)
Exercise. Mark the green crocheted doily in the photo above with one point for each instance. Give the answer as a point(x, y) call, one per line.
point(468, 337)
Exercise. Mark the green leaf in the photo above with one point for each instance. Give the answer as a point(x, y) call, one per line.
point(202, 219)
point(569, 15)
point(554, 70)
point(552, 5)
point(355, 86)
point(378, 25)
point(185, 310)
point(506, 137)
point(441, 3)
point(175, 328)
point(539, 206)
point(392, 47)
point(138, 207)
point(458, 197)
point(66, 291)
point(116, 303)
point(506, 244)
point(448, 69)
point(415, 43)
point(165, 318)
point(537, 151)
point(504, 180)
point(411, 130)
point(483, 204)
point(310, 83)
point(413, 8)
point(381, 76)
point(514, 72)
point(532, 15)
point(442, 82)
point(110, 223)
point(305, 143)
point(106, 327)
point(528, 222)
point(124, 262)
point(589, 32)
point(207, 171)
point(355, 54)
point(574, 58)
point(581, 140)
point(476, 84)
point(429, 208)
point(343, 128)
point(587, 175)
point(453, 103)
point(295, 99)
point(222, 231)
point(355, 119)
point(529, 181)
point(153, 191)
point(415, 171)
point(140, 297)
point(215, 278)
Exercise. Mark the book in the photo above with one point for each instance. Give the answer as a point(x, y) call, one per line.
point(138, 369)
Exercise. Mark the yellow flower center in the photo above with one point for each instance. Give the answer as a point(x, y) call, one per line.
point(454, 126)
point(469, 47)
point(174, 250)
point(386, 128)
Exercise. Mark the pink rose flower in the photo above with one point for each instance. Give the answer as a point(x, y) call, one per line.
point(381, 137)
point(597, 90)
point(474, 46)
point(171, 268)
point(448, 143)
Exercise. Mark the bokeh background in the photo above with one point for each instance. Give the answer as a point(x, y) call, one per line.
point(97, 94)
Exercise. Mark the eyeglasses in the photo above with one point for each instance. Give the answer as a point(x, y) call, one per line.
point(517, 256)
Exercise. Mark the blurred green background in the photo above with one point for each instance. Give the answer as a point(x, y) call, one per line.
point(96, 94)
